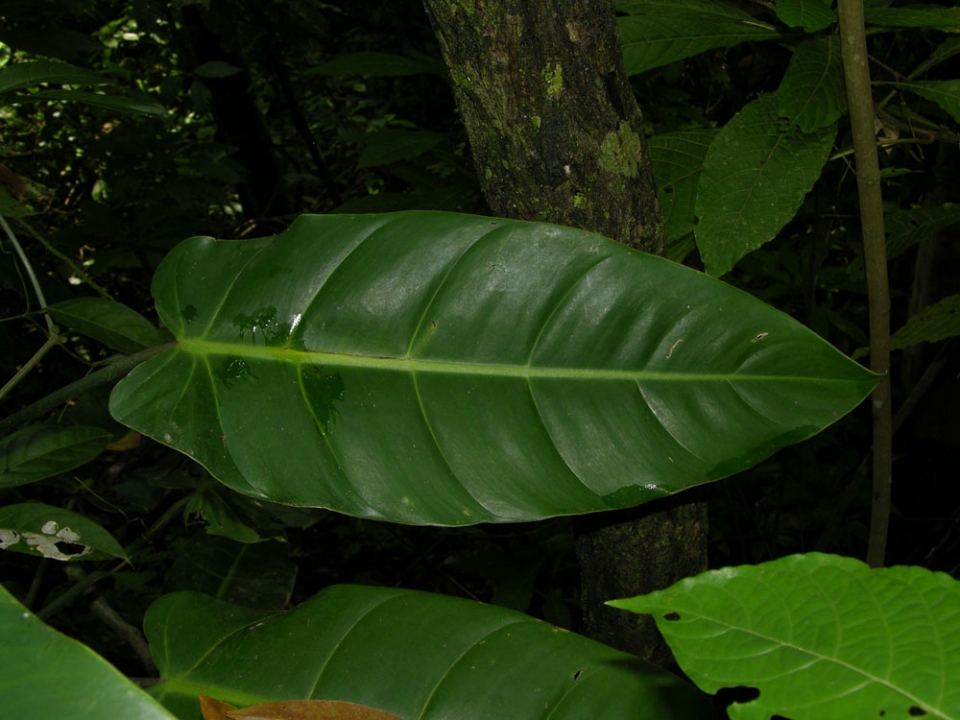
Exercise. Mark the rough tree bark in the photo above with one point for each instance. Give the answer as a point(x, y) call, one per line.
point(556, 136)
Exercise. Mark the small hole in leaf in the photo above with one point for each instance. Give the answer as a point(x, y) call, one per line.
point(578, 673)
point(672, 616)
point(726, 697)
point(916, 711)
point(668, 190)
point(71, 548)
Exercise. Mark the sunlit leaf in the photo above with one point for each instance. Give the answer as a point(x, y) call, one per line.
point(113, 324)
point(447, 369)
point(755, 176)
point(812, 92)
point(49, 676)
point(50, 532)
point(820, 636)
point(41, 451)
point(413, 654)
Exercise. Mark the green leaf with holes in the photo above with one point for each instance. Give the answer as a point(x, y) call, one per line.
point(820, 636)
point(50, 532)
point(414, 654)
point(435, 368)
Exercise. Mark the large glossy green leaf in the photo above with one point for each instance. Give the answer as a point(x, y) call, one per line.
point(413, 654)
point(48, 676)
point(820, 636)
point(755, 176)
point(447, 369)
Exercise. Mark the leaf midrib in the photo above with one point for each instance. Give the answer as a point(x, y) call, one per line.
point(206, 348)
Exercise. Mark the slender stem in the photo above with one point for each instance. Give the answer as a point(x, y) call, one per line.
point(860, 100)
point(112, 372)
point(30, 273)
point(29, 365)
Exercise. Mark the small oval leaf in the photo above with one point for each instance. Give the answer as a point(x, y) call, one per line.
point(113, 324)
point(41, 451)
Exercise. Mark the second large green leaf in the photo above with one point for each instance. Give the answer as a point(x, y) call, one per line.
point(447, 369)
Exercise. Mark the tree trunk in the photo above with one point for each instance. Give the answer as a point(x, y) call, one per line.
point(556, 137)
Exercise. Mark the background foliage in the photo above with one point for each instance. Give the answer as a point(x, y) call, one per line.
point(230, 117)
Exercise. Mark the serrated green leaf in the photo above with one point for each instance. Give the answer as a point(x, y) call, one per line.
point(108, 102)
point(677, 160)
point(712, 9)
point(49, 676)
point(906, 228)
point(944, 19)
point(660, 32)
point(811, 15)
point(755, 176)
point(945, 93)
point(112, 323)
point(812, 93)
point(411, 653)
point(49, 532)
point(820, 636)
point(931, 324)
point(41, 451)
point(378, 64)
point(447, 369)
point(31, 74)
point(943, 52)
point(388, 146)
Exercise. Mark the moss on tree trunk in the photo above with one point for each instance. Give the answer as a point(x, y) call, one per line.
point(556, 136)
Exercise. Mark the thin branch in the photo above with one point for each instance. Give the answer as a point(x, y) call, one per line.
point(860, 100)
point(112, 372)
point(25, 261)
